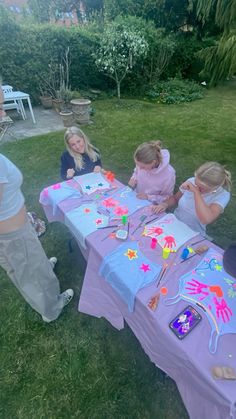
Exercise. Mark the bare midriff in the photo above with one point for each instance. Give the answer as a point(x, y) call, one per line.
point(14, 223)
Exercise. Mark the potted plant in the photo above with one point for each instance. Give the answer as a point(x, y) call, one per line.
point(45, 99)
point(64, 93)
point(48, 84)
point(66, 112)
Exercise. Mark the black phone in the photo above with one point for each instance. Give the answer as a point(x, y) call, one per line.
point(184, 323)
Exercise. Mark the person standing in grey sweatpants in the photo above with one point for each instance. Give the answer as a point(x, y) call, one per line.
point(21, 253)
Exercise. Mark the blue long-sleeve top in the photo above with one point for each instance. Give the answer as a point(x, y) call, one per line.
point(67, 162)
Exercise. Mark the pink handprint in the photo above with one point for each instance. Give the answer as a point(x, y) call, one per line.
point(154, 230)
point(109, 202)
point(197, 287)
point(169, 242)
point(121, 211)
point(222, 310)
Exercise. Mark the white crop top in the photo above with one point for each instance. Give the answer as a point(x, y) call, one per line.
point(12, 199)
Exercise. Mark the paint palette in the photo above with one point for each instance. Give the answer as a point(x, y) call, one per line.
point(122, 234)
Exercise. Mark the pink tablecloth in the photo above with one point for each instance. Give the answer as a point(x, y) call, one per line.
point(188, 362)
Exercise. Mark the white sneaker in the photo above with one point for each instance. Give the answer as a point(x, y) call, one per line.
point(67, 296)
point(53, 261)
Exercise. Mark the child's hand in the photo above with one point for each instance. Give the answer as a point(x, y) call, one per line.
point(159, 208)
point(132, 183)
point(142, 195)
point(70, 173)
point(97, 169)
point(189, 186)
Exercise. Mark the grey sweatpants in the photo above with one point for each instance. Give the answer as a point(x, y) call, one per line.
point(24, 260)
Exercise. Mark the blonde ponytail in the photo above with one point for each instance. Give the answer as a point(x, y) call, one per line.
point(147, 152)
point(213, 174)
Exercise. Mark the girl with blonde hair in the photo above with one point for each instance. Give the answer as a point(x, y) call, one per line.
point(153, 177)
point(202, 198)
point(81, 156)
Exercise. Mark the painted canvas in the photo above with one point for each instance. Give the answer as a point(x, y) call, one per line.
point(210, 287)
point(85, 220)
point(169, 232)
point(128, 270)
point(92, 182)
point(54, 194)
point(123, 202)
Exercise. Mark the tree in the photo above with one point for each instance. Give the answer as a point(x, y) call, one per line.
point(220, 59)
point(120, 48)
point(168, 14)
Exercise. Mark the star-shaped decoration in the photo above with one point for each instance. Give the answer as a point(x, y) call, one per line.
point(131, 254)
point(87, 210)
point(100, 184)
point(145, 268)
point(218, 267)
point(87, 187)
point(98, 221)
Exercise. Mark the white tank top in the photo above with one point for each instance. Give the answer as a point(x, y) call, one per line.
point(12, 199)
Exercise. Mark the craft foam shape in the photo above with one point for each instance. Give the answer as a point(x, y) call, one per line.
point(210, 287)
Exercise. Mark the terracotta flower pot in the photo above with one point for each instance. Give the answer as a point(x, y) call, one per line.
point(46, 101)
point(81, 110)
point(67, 118)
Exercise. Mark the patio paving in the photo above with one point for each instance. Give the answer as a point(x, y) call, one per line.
point(47, 120)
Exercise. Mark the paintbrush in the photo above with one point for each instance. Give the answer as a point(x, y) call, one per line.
point(199, 241)
point(108, 235)
point(142, 218)
point(198, 251)
point(164, 268)
point(128, 229)
point(102, 228)
point(150, 221)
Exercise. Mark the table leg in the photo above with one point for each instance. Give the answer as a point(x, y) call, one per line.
point(31, 110)
point(22, 109)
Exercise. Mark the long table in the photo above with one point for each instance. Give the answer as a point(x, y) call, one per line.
point(187, 362)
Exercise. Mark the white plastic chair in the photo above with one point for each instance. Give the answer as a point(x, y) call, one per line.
point(14, 104)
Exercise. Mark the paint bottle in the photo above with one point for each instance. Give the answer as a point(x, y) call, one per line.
point(165, 252)
point(184, 253)
point(153, 243)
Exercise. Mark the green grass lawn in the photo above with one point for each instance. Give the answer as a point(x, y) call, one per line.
point(79, 366)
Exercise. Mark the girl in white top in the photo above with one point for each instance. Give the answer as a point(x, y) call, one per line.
point(21, 253)
point(201, 199)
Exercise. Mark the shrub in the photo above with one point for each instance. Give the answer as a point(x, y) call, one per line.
point(175, 91)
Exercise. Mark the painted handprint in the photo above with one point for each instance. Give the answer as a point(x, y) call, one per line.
point(197, 287)
point(222, 310)
point(110, 203)
point(169, 242)
point(121, 211)
point(154, 230)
